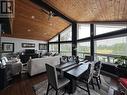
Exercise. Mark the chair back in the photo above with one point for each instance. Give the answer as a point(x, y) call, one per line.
point(71, 58)
point(52, 76)
point(97, 68)
point(64, 59)
point(91, 71)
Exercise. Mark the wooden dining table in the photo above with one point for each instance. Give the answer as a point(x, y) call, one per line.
point(72, 71)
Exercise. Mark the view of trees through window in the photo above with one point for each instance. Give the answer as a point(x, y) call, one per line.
point(114, 46)
point(66, 49)
point(83, 48)
point(105, 28)
point(83, 31)
point(103, 46)
point(53, 48)
point(107, 49)
point(66, 35)
point(55, 39)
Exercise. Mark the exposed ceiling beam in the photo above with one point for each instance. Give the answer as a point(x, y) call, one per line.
point(44, 5)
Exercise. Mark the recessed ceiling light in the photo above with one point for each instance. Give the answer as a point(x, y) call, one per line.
point(33, 17)
point(50, 24)
point(28, 30)
point(45, 33)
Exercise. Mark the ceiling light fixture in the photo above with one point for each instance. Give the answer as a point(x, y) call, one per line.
point(49, 13)
point(33, 17)
point(28, 30)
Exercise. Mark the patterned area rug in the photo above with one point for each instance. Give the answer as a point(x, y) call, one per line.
point(40, 88)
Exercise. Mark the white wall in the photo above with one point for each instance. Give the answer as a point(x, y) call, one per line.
point(18, 43)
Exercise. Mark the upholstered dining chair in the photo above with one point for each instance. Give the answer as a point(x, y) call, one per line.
point(53, 81)
point(64, 59)
point(86, 78)
point(96, 75)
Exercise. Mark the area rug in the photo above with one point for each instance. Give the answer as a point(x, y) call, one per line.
point(40, 88)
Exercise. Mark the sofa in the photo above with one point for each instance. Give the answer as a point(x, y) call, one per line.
point(37, 65)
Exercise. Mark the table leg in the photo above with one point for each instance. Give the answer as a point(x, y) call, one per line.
point(71, 88)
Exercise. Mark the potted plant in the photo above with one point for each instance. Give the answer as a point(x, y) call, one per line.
point(121, 61)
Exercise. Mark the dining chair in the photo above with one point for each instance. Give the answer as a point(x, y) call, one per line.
point(71, 58)
point(86, 78)
point(63, 59)
point(96, 75)
point(53, 81)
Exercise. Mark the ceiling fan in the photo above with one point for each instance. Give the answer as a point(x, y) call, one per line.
point(49, 13)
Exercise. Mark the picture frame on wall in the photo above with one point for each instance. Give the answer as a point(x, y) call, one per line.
point(28, 45)
point(42, 46)
point(7, 47)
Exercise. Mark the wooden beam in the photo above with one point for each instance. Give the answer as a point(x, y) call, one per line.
point(59, 43)
point(92, 31)
point(44, 5)
point(74, 38)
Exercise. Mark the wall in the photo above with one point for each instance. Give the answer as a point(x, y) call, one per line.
point(18, 43)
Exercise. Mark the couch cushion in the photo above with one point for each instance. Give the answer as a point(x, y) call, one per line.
point(4, 58)
point(3, 62)
point(123, 81)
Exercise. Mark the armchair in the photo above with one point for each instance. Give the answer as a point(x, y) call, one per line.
point(13, 66)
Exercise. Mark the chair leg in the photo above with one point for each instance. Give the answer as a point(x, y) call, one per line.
point(56, 92)
point(100, 79)
point(92, 83)
point(88, 89)
point(48, 89)
point(97, 82)
point(64, 90)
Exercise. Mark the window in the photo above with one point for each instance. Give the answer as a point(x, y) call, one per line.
point(83, 48)
point(55, 39)
point(66, 35)
point(105, 28)
point(66, 49)
point(83, 31)
point(53, 48)
point(107, 48)
point(116, 46)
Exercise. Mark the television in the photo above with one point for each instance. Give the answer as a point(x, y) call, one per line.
point(29, 51)
point(5, 26)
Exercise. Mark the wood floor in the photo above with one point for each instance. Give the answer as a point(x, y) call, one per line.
point(22, 85)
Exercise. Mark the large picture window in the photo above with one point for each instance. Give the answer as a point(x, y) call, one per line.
point(105, 28)
point(116, 46)
point(55, 39)
point(107, 49)
point(66, 35)
point(83, 48)
point(83, 31)
point(66, 49)
point(53, 48)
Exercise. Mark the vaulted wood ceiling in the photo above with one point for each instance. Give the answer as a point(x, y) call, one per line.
point(92, 10)
point(32, 23)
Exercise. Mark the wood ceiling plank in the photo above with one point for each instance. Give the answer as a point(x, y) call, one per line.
point(40, 28)
point(91, 10)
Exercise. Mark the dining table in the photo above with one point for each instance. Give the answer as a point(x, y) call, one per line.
point(72, 71)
